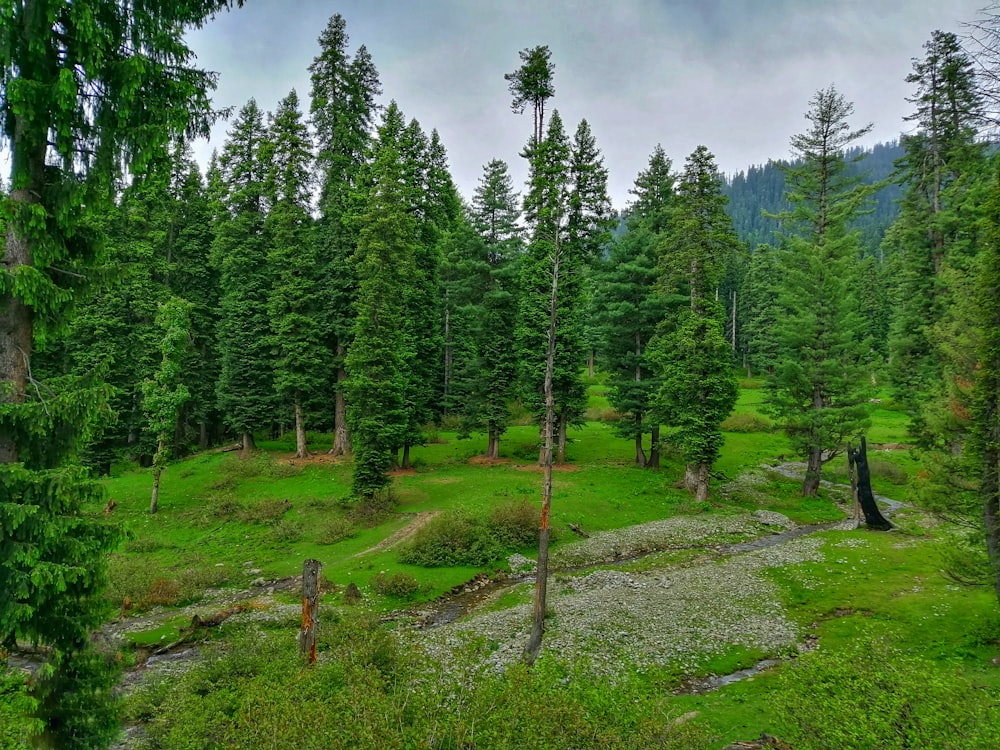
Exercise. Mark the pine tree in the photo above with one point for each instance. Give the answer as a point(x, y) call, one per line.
point(760, 311)
point(532, 84)
point(495, 216)
point(630, 306)
point(293, 304)
point(818, 389)
point(246, 379)
point(342, 110)
point(546, 207)
point(377, 360)
point(164, 394)
point(88, 87)
point(940, 172)
point(694, 360)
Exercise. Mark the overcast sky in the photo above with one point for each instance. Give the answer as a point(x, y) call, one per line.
point(733, 75)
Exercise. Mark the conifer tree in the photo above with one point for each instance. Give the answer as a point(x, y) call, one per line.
point(495, 216)
point(379, 355)
point(630, 306)
point(532, 84)
point(940, 171)
point(342, 110)
point(692, 356)
point(293, 304)
point(759, 344)
point(246, 378)
point(164, 394)
point(818, 389)
point(87, 88)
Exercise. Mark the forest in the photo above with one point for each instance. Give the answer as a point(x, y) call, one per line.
point(321, 307)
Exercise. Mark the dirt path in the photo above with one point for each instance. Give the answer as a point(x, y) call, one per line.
point(419, 521)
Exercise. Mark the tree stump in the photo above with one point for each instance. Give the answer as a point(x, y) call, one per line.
point(310, 609)
point(873, 516)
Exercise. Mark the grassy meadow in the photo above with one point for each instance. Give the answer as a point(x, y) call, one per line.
point(892, 650)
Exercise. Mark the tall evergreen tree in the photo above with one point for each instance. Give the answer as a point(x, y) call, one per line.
point(630, 306)
point(818, 390)
point(546, 207)
point(494, 216)
point(165, 393)
point(694, 360)
point(294, 300)
point(532, 84)
point(940, 169)
point(343, 109)
point(87, 88)
point(246, 379)
point(377, 360)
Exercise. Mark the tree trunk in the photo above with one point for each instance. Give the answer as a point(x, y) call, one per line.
point(301, 449)
point(696, 481)
point(406, 457)
point(448, 355)
point(203, 435)
point(654, 448)
point(548, 428)
point(154, 500)
point(248, 447)
point(16, 320)
point(873, 516)
point(640, 454)
point(561, 453)
point(493, 447)
point(814, 465)
point(341, 436)
point(591, 369)
point(310, 610)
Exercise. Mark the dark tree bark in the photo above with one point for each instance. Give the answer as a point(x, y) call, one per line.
point(873, 516)
point(310, 609)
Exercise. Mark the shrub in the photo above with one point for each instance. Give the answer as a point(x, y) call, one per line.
point(401, 585)
point(286, 532)
point(873, 695)
point(336, 530)
point(888, 471)
point(267, 512)
point(515, 524)
point(452, 539)
point(747, 423)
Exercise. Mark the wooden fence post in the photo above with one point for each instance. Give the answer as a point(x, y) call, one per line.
point(310, 609)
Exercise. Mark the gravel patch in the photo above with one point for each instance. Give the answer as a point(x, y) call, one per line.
point(677, 617)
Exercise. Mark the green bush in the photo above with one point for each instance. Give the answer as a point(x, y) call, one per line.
point(268, 512)
point(453, 539)
point(888, 471)
point(286, 532)
point(515, 524)
point(747, 423)
point(401, 585)
point(873, 695)
point(336, 530)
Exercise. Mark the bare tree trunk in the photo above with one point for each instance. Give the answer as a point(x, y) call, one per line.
point(202, 435)
point(249, 447)
point(310, 610)
point(301, 449)
point(16, 319)
point(696, 480)
point(654, 448)
point(542, 572)
point(591, 367)
point(154, 500)
point(341, 436)
point(640, 454)
point(873, 516)
point(561, 452)
point(448, 355)
point(406, 457)
point(814, 465)
point(493, 447)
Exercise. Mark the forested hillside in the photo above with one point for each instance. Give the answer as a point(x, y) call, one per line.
point(323, 279)
point(758, 193)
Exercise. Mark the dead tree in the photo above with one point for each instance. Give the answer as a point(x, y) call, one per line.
point(858, 459)
point(310, 609)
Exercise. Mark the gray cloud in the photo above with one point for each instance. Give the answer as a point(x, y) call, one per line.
point(734, 75)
